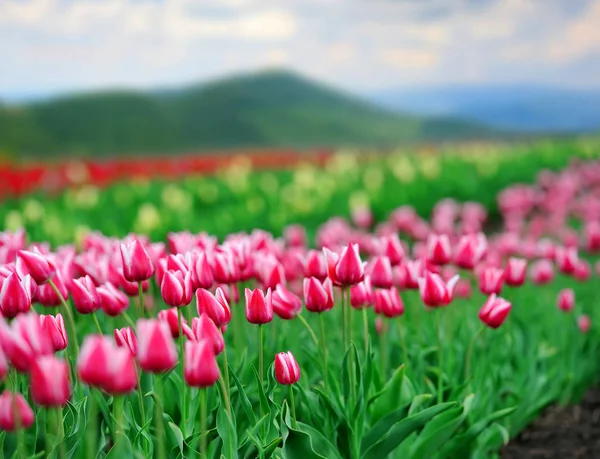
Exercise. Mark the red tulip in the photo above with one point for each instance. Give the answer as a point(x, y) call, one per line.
point(439, 250)
point(285, 304)
point(12, 404)
point(171, 317)
point(287, 370)
point(272, 274)
point(361, 295)
point(566, 300)
point(205, 329)
point(388, 303)
point(86, 298)
point(584, 323)
point(516, 269)
point(35, 264)
point(94, 361)
point(215, 306)
point(223, 266)
point(315, 265)
point(125, 337)
point(495, 311)
point(156, 349)
point(259, 307)
point(491, 280)
point(200, 365)
point(318, 296)
point(203, 271)
point(381, 272)
point(49, 378)
point(137, 265)
point(409, 273)
point(24, 340)
point(391, 247)
point(48, 297)
point(541, 272)
point(54, 327)
point(345, 269)
point(566, 259)
point(176, 288)
point(114, 302)
point(15, 295)
point(434, 292)
point(469, 250)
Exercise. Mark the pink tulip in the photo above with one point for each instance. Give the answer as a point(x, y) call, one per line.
point(285, 304)
point(318, 296)
point(491, 280)
point(86, 298)
point(24, 340)
point(434, 292)
point(346, 268)
point(584, 323)
point(259, 306)
point(541, 272)
point(14, 412)
point(37, 265)
point(205, 329)
point(381, 272)
point(54, 328)
point(171, 317)
point(48, 297)
point(215, 306)
point(203, 271)
point(391, 247)
point(49, 378)
point(315, 265)
point(388, 303)
point(495, 311)
point(566, 300)
point(439, 250)
point(200, 366)
point(515, 271)
point(113, 301)
point(566, 259)
point(361, 295)
point(137, 265)
point(15, 295)
point(156, 349)
point(176, 288)
point(469, 250)
point(272, 274)
point(287, 370)
point(125, 337)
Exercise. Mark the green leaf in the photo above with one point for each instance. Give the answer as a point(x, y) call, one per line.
point(417, 402)
point(307, 443)
point(178, 436)
point(122, 448)
point(382, 427)
point(398, 391)
point(227, 432)
point(246, 405)
point(264, 403)
point(403, 429)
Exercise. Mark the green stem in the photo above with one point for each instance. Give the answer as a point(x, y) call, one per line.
point(343, 323)
point(402, 341)
point(324, 352)
point(47, 441)
point(260, 354)
point(90, 433)
point(60, 433)
point(70, 318)
point(227, 387)
point(440, 388)
point(118, 401)
point(95, 317)
point(181, 358)
point(366, 330)
point(142, 410)
point(293, 406)
point(203, 432)
point(158, 418)
point(383, 351)
point(309, 328)
point(128, 320)
point(142, 309)
point(17, 417)
point(469, 354)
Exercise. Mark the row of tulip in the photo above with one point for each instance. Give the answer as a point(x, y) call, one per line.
point(396, 354)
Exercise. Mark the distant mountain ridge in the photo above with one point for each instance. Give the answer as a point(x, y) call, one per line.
point(516, 107)
point(262, 109)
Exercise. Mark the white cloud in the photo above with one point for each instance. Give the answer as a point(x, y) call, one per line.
point(408, 59)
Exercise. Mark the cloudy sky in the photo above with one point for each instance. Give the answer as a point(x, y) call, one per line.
point(51, 46)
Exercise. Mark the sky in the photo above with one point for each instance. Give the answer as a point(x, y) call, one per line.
point(57, 46)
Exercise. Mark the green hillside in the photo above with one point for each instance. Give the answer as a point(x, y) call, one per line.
point(274, 108)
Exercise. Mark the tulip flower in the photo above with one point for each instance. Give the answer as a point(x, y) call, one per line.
point(15, 295)
point(205, 329)
point(171, 317)
point(259, 306)
point(137, 265)
point(318, 296)
point(515, 271)
point(391, 247)
point(224, 269)
point(469, 250)
point(272, 274)
point(439, 250)
point(113, 301)
point(495, 311)
point(47, 295)
point(491, 280)
point(49, 378)
point(86, 298)
point(388, 303)
point(315, 265)
point(54, 327)
point(285, 304)
point(176, 288)
point(215, 306)
point(583, 271)
point(203, 271)
point(125, 337)
point(287, 370)
point(200, 366)
point(541, 272)
point(409, 273)
point(14, 412)
point(3, 365)
point(41, 269)
point(434, 292)
point(584, 323)
point(381, 272)
point(566, 259)
point(24, 340)
point(361, 294)
point(566, 300)
point(156, 349)
point(346, 268)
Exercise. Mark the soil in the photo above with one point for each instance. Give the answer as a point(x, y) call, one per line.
point(561, 433)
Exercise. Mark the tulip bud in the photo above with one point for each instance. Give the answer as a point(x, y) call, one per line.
point(315, 265)
point(259, 307)
point(285, 304)
point(3, 365)
point(54, 327)
point(203, 270)
point(434, 292)
point(171, 317)
point(495, 311)
point(35, 264)
point(584, 323)
point(463, 289)
point(295, 236)
point(515, 271)
point(361, 294)
point(223, 267)
point(272, 274)
point(287, 370)
point(566, 259)
point(439, 250)
point(200, 365)
point(137, 265)
point(409, 273)
point(318, 296)
point(469, 250)
point(24, 340)
point(125, 338)
point(583, 271)
point(86, 298)
point(491, 280)
point(176, 289)
point(156, 349)
point(349, 269)
point(14, 412)
point(49, 378)
point(48, 297)
point(215, 306)
point(113, 301)
point(15, 295)
point(541, 272)
point(566, 300)
point(388, 303)
point(205, 329)
point(391, 247)
point(381, 273)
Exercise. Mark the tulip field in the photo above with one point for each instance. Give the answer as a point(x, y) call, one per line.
point(400, 305)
